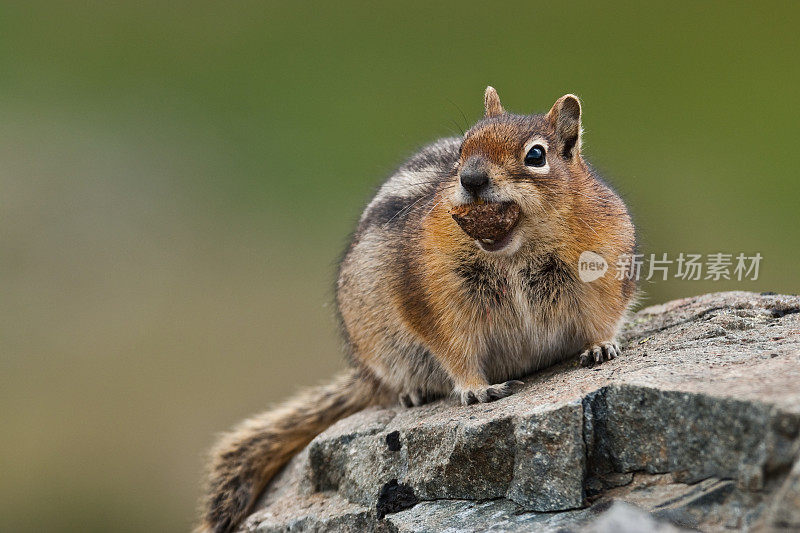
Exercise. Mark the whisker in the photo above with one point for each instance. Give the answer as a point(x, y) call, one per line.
point(434, 206)
point(466, 122)
point(544, 198)
point(430, 182)
point(587, 196)
point(458, 128)
point(582, 220)
point(407, 209)
point(588, 226)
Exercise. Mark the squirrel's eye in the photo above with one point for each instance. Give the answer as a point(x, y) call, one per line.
point(535, 156)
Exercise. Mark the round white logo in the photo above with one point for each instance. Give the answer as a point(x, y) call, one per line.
point(591, 266)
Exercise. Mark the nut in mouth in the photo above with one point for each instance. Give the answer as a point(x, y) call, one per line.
point(490, 224)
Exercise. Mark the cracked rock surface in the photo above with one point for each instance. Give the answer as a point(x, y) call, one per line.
point(695, 426)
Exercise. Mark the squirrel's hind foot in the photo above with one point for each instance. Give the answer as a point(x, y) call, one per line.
point(490, 393)
point(416, 398)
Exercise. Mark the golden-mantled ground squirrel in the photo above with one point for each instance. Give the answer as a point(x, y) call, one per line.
point(461, 278)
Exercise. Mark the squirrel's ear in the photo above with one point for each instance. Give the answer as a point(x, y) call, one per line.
point(566, 119)
point(492, 103)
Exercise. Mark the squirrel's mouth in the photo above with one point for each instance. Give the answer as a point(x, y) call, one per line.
point(490, 224)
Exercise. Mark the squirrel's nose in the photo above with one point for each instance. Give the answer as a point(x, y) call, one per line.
point(474, 177)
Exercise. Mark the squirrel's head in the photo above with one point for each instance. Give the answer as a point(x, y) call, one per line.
point(520, 164)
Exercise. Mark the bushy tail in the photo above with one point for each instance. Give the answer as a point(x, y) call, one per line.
point(245, 459)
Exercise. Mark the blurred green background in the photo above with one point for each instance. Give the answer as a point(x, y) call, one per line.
point(177, 180)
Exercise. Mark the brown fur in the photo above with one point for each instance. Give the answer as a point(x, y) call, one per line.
point(428, 311)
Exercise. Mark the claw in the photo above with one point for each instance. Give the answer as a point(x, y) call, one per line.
point(514, 385)
point(468, 398)
point(597, 353)
point(491, 393)
point(415, 398)
point(610, 351)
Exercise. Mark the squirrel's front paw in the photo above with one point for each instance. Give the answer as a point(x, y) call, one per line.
point(597, 353)
point(490, 393)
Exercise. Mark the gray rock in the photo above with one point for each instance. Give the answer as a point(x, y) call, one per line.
point(691, 435)
point(785, 510)
point(696, 425)
point(549, 446)
point(625, 518)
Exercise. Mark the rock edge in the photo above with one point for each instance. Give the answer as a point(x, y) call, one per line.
point(696, 425)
